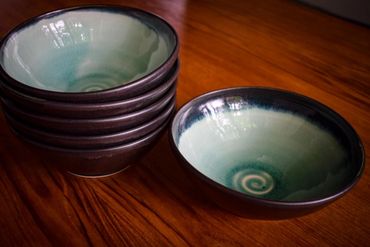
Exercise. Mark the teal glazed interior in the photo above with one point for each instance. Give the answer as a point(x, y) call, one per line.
point(91, 49)
point(268, 147)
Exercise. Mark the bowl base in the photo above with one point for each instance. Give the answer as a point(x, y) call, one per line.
point(98, 176)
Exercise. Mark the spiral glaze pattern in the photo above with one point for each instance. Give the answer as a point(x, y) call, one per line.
point(93, 83)
point(253, 182)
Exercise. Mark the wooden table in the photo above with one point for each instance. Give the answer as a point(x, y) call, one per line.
point(224, 43)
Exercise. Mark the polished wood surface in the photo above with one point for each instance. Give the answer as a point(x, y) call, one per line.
point(224, 43)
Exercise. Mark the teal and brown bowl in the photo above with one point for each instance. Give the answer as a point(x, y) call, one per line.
point(93, 53)
point(267, 153)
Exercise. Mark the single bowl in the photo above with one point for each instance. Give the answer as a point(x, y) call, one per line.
point(96, 162)
point(267, 153)
point(90, 110)
point(91, 126)
point(88, 54)
point(95, 141)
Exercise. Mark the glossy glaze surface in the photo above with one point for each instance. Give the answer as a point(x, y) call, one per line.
point(267, 154)
point(86, 50)
point(268, 144)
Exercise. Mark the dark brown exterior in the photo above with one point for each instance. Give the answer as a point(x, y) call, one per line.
point(90, 110)
point(95, 141)
point(91, 126)
point(96, 162)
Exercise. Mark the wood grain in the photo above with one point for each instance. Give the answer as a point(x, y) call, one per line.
point(224, 43)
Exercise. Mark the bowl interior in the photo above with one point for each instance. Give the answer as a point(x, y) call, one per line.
point(278, 147)
point(90, 49)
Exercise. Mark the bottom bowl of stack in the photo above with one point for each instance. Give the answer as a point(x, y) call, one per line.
point(96, 162)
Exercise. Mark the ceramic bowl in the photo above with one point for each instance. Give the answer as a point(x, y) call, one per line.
point(88, 54)
point(90, 110)
point(267, 153)
point(91, 126)
point(96, 162)
point(95, 141)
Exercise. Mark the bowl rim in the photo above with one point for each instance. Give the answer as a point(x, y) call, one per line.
point(158, 91)
point(355, 139)
point(159, 119)
point(105, 151)
point(123, 87)
point(168, 97)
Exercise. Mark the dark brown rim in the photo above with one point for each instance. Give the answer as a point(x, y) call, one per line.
point(160, 90)
point(260, 201)
point(88, 95)
point(157, 119)
point(169, 96)
point(99, 152)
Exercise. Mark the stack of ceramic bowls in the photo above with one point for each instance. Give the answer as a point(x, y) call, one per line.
point(94, 86)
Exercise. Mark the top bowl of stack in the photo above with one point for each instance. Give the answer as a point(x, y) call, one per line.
point(88, 54)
